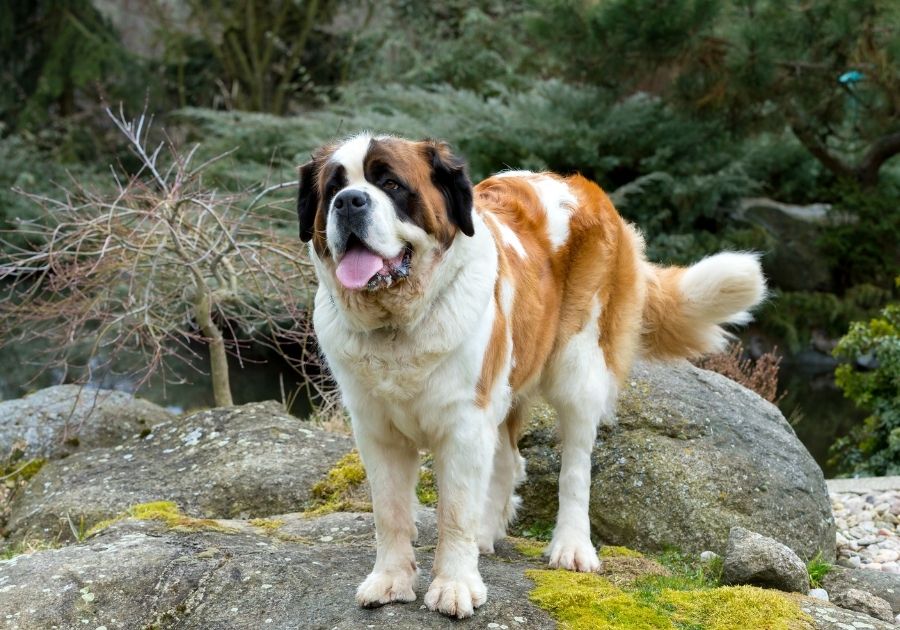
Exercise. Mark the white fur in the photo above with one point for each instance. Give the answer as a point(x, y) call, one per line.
point(719, 288)
point(559, 203)
point(415, 384)
point(514, 173)
point(557, 199)
point(384, 236)
point(583, 390)
point(510, 238)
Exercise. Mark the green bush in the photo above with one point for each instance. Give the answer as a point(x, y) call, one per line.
point(680, 181)
point(863, 247)
point(874, 447)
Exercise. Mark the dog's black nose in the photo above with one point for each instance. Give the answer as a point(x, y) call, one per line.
point(352, 201)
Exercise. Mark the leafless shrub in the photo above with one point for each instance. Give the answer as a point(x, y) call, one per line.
point(159, 262)
point(761, 375)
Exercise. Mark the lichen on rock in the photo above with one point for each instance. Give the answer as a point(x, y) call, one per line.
point(165, 511)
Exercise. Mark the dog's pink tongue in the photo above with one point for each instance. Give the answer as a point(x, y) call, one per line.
point(357, 267)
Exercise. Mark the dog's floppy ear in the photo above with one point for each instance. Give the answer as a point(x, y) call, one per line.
point(448, 173)
point(308, 198)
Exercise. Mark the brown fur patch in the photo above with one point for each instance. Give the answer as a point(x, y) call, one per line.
point(602, 258)
point(536, 280)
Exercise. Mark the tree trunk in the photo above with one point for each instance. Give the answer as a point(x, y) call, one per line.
point(218, 360)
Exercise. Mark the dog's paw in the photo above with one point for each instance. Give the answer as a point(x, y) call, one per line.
point(575, 553)
point(456, 597)
point(386, 587)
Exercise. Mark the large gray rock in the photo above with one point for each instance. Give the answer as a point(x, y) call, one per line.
point(760, 561)
point(693, 454)
point(285, 572)
point(883, 585)
point(57, 421)
point(252, 460)
point(140, 575)
point(864, 602)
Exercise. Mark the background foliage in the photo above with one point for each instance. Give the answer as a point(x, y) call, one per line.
point(687, 112)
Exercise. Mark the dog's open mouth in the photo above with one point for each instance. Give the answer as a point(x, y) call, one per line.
point(361, 268)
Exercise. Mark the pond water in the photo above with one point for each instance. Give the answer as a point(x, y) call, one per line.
point(815, 407)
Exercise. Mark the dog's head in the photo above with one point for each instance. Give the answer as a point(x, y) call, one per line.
point(381, 211)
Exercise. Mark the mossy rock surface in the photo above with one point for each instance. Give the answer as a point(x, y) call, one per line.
point(147, 574)
point(692, 455)
point(155, 567)
point(249, 461)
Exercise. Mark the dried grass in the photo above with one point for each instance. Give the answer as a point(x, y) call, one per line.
point(760, 375)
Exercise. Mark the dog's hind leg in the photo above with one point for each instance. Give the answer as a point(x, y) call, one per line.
point(582, 388)
point(508, 472)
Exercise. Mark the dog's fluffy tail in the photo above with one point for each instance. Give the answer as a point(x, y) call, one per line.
point(686, 305)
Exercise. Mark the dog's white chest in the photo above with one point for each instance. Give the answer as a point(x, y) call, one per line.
point(394, 375)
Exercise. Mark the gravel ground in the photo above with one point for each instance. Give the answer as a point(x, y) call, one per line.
point(868, 529)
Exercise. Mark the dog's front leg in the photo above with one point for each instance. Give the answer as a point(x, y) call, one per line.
point(463, 461)
point(391, 463)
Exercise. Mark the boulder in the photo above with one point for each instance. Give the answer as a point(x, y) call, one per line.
point(692, 455)
point(252, 460)
point(57, 421)
point(761, 561)
point(291, 571)
point(794, 262)
point(864, 602)
point(883, 585)
point(143, 575)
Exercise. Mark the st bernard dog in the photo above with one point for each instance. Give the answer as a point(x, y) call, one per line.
point(443, 310)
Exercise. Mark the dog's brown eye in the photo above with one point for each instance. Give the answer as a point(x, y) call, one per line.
point(390, 184)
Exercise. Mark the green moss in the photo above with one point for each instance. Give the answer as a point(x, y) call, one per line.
point(267, 524)
point(528, 547)
point(581, 601)
point(735, 608)
point(342, 488)
point(426, 489)
point(611, 551)
point(165, 511)
point(30, 469)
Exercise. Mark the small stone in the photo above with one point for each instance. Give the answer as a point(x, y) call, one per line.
point(752, 558)
point(861, 601)
point(708, 556)
point(853, 562)
point(819, 593)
